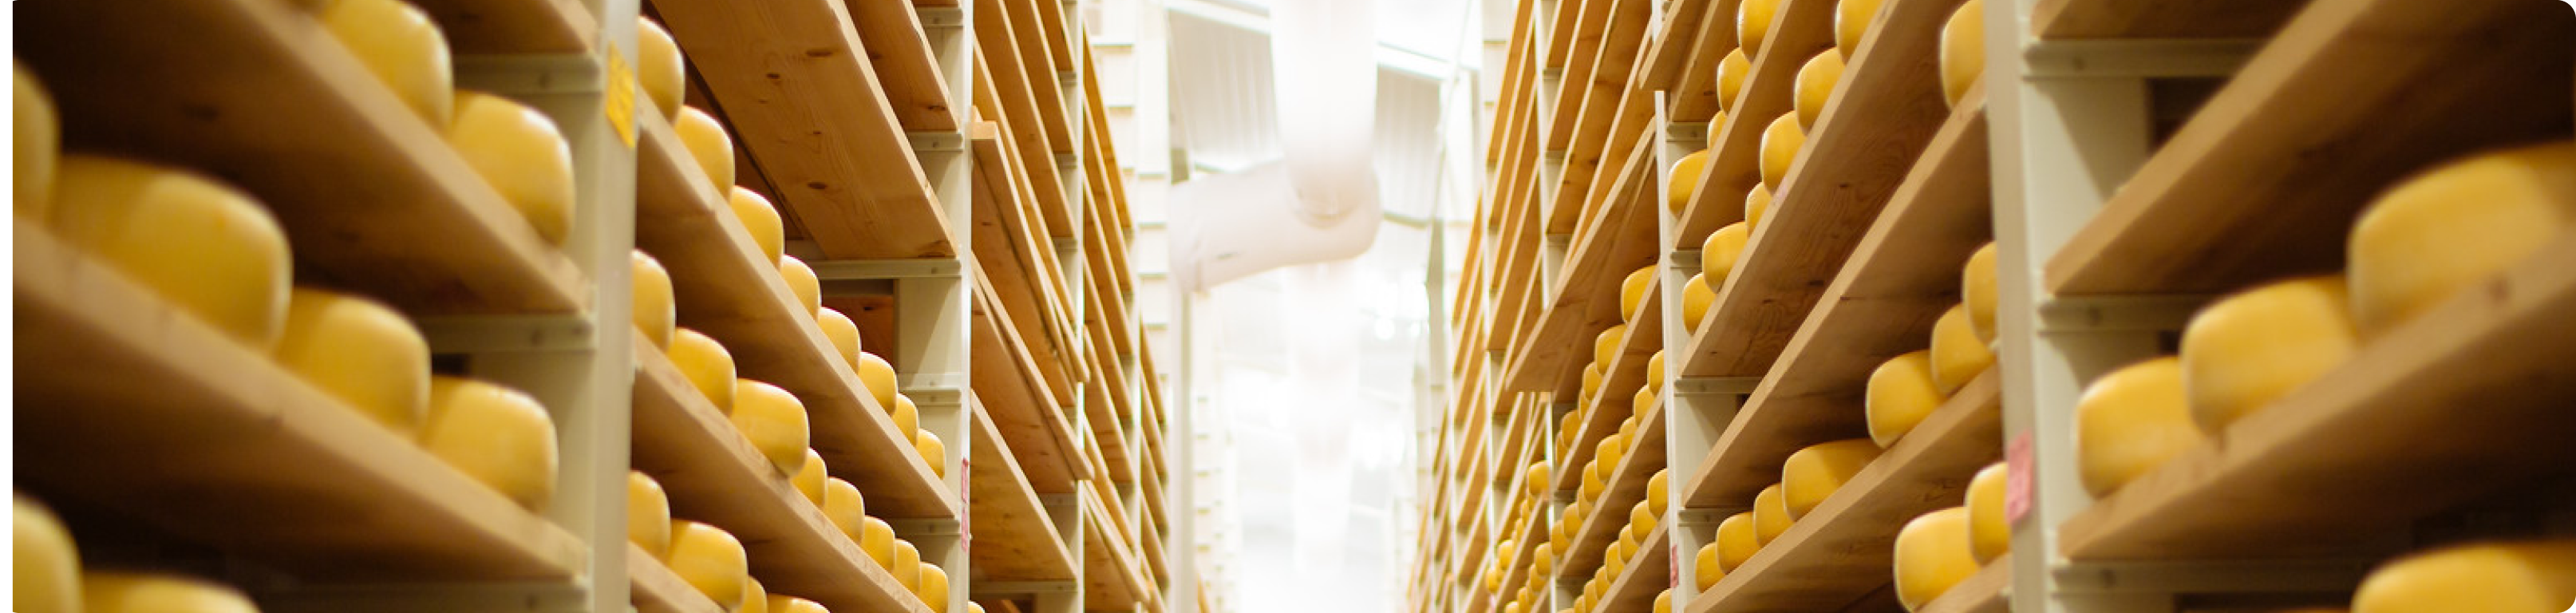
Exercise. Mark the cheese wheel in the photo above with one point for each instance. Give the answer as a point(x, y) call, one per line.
point(1771, 514)
point(711, 560)
point(2455, 226)
point(1684, 181)
point(2247, 350)
point(843, 333)
point(1932, 556)
point(1814, 473)
point(845, 507)
point(760, 219)
point(907, 565)
point(1815, 87)
point(1659, 492)
point(209, 250)
point(1706, 570)
point(1605, 346)
point(44, 567)
point(1593, 484)
point(790, 604)
point(706, 364)
point(1655, 370)
point(1851, 24)
point(802, 283)
point(1627, 433)
point(1632, 292)
point(360, 352)
point(1642, 520)
point(1757, 204)
point(498, 436)
point(1593, 588)
point(1540, 562)
point(875, 373)
point(755, 597)
point(659, 70)
point(654, 312)
point(2494, 577)
point(932, 451)
point(1963, 50)
point(1780, 144)
point(1696, 296)
point(1732, 71)
point(1977, 289)
point(1738, 538)
point(776, 424)
point(1612, 449)
point(1722, 251)
point(1645, 397)
point(1901, 393)
point(402, 48)
point(36, 139)
point(1615, 563)
point(708, 144)
point(973, 607)
point(877, 539)
point(1591, 384)
point(131, 592)
point(809, 480)
point(1989, 532)
point(1753, 20)
point(1535, 479)
point(2129, 422)
point(520, 153)
point(934, 588)
point(1664, 601)
point(648, 514)
point(907, 417)
point(1493, 579)
point(1957, 356)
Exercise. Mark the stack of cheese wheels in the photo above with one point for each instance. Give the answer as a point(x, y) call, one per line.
point(1932, 556)
point(2490, 577)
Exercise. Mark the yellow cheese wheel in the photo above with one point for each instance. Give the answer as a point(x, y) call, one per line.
point(499, 436)
point(1738, 538)
point(402, 47)
point(708, 144)
point(1616, 562)
point(776, 424)
point(1731, 74)
point(2247, 350)
point(1493, 579)
point(878, 376)
point(845, 507)
point(755, 597)
point(1696, 297)
point(1605, 346)
point(360, 352)
point(1583, 602)
point(659, 70)
point(759, 218)
point(1723, 251)
point(2494, 577)
point(520, 153)
point(1705, 568)
point(801, 282)
point(1931, 556)
point(1757, 204)
point(1780, 144)
point(1627, 433)
point(2457, 225)
point(1541, 561)
point(707, 365)
point(131, 592)
point(1753, 20)
point(1957, 356)
point(1535, 479)
point(877, 539)
point(1664, 601)
point(44, 567)
point(1901, 393)
point(907, 565)
point(1851, 24)
point(1632, 292)
point(907, 417)
point(1612, 449)
point(973, 607)
point(1642, 518)
point(1593, 588)
point(809, 479)
point(654, 313)
point(1814, 473)
point(1977, 289)
point(790, 604)
point(1963, 50)
point(1591, 384)
point(1989, 534)
point(1771, 514)
point(711, 560)
point(932, 452)
point(2129, 422)
point(1659, 492)
point(208, 249)
point(843, 333)
point(1684, 181)
point(648, 514)
point(36, 139)
point(1655, 371)
point(1815, 87)
point(1593, 483)
point(934, 588)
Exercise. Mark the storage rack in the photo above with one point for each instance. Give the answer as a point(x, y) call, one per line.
point(944, 167)
point(2134, 159)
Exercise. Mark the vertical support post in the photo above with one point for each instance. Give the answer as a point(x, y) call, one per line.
point(933, 314)
point(1686, 442)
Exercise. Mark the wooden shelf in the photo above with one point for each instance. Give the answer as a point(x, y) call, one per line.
point(1625, 487)
point(1803, 28)
point(1981, 593)
point(1028, 101)
point(2083, 19)
point(1524, 559)
point(478, 27)
point(2352, 96)
point(1107, 437)
point(821, 128)
point(712, 474)
point(1647, 575)
point(1015, 537)
point(724, 289)
point(2354, 440)
point(1694, 97)
point(655, 589)
point(1019, 262)
point(1900, 278)
point(898, 49)
point(1606, 112)
point(225, 448)
point(1586, 295)
point(370, 196)
point(1008, 385)
point(1606, 34)
point(1669, 49)
point(1841, 552)
point(1108, 572)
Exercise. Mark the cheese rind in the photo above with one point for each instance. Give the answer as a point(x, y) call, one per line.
point(1632, 292)
point(654, 313)
point(776, 424)
point(402, 48)
point(809, 480)
point(755, 597)
point(801, 282)
point(1977, 290)
point(2129, 422)
point(1757, 204)
point(707, 366)
point(1780, 144)
point(1659, 491)
point(843, 333)
point(522, 155)
point(1771, 514)
point(2455, 226)
point(36, 141)
point(846, 507)
point(1684, 181)
point(907, 565)
point(711, 560)
point(1901, 393)
point(360, 352)
point(2247, 350)
point(1814, 473)
point(1957, 356)
point(1605, 346)
point(648, 514)
point(2493, 577)
point(1696, 296)
point(780, 603)
point(1753, 22)
point(659, 70)
point(208, 249)
point(933, 452)
point(1932, 556)
point(708, 144)
point(876, 538)
point(134, 592)
point(878, 375)
point(1731, 74)
point(1963, 50)
point(1722, 251)
point(497, 436)
point(907, 417)
point(44, 567)
point(934, 588)
point(1738, 538)
point(1851, 24)
point(1706, 569)
point(1815, 86)
point(760, 219)
point(1989, 531)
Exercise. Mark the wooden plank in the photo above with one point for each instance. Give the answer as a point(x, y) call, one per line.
point(1903, 275)
point(2352, 96)
point(2354, 440)
point(1524, 557)
point(371, 197)
point(1695, 100)
point(1560, 33)
point(1014, 538)
point(1629, 135)
point(1039, 52)
point(1515, 78)
point(1106, 436)
point(1007, 381)
point(1981, 593)
point(2070, 19)
point(723, 287)
point(1840, 552)
point(1575, 86)
point(1623, 490)
point(712, 474)
point(226, 449)
point(1018, 265)
point(1587, 293)
point(821, 127)
point(478, 27)
point(1108, 573)
point(1003, 92)
point(899, 51)
point(655, 589)
point(1611, 93)
point(1669, 48)
point(1804, 27)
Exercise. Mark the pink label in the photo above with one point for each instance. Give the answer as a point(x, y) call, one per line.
point(1674, 562)
point(965, 500)
point(2017, 478)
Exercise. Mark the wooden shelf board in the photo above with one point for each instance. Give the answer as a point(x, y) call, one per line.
point(1694, 98)
point(1901, 276)
point(1981, 593)
point(1015, 539)
point(1840, 552)
point(1647, 575)
point(228, 449)
point(369, 195)
point(2353, 441)
point(1587, 292)
point(1006, 383)
point(1154, 556)
point(724, 289)
point(1107, 438)
point(2265, 180)
point(1516, 78)
point(1029, 107)
point(1668, 49)
point(1108, 573)
point(1613, 130)
point(476, 27)
point(1621, 379)
point(1019, 264)
point(1624, 489)
point(898, 48)
point(1802, 28)
point(655, 589)
point(821, 128)
point(2081, 19)
point(1524, 558)
point(1580, 80)
point(1556, 52)
point(1043, 46)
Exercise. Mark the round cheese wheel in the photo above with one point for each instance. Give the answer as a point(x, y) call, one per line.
point(878, 376)
point(1535, 479)
point(1684, 181)
point(1615, 563)
point(1642, 516)
point(802, 283)
point(1591, 382)
point(755, 597)
point(2490, 577)
point(1900, 394)
point(843, 333)
point(1814, 473)
point(791, 604)
point(1705, 568)
point(133, 592)
point(1731, 73)
point(708, 144)
point(932, 452)
point(44, 571)
point(1815, 87)
point(907, 565)
point(1632, 292)
point(1696, 296)
point(519, 152)
point(1977, 289)
point(498, 436)
point(654, 312)
point(659, 71)
point(648, 514)
point(1989, 532)
point(1851, 24)
point(2457, 225)
point(360, 352)
point(2247, 350)
point(2129, 422)
point(1541, 561)
point(1780, 144)
point(1771, 514)
point(1957, 356)
point(1723, 250)
point(1592, 481)
point(1605, 346)
point(1932, 556)
point(209, 250)
point(1664, 601)
point(1655, 371)
point(711, 560)
point(846, 507)
point(775, 423)
point(759, 218)
point(809, 480)
point(907, 417)
point(1738, 538)
point(1757, 204)
point(1963, 50)
point(36, 139)
point(706, 364)
point(877, 539)
point(402, 47)
point(934, 588)
point(1753, 20)
point(1659, 492)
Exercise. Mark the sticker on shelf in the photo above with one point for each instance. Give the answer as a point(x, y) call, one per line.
point(620, 97)
point(2017, 481)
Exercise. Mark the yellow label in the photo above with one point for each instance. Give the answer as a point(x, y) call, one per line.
point(621, 96)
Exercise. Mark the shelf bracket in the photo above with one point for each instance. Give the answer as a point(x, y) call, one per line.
point(513, 597)
point(1705, 386)
point(526, 75)
point(2137, 58)
point(941, 142)
point(2119, 313)
point(983, 589)
point(2212, 576)
point(940, 17)
point(916, 529)
point(1679, 131)
point(927, 268)
point(507, 333)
